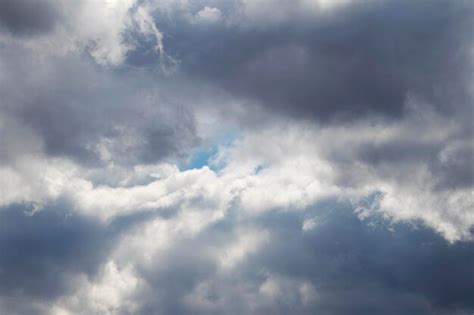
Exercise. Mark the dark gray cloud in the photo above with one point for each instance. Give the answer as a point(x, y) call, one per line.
point(375, 262)
point(78, 110)
point(27, 17)
point(369, 266)
point(40, 253)
point(358, 267)
point(361, 59)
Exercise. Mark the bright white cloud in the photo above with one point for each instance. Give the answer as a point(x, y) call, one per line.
point(110, 292)
point(208, 15)
point(285, 170)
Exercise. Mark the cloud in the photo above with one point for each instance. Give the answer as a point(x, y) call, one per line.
point(274, 170)
point(77, 111)
point(42, 253)
point(158, 267)
point(205, 157)
point(218, 242)
point(208, 15)
point(98, 29)
point(28, 18)
point(357, 60)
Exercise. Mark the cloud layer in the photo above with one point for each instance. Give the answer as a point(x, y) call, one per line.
point(238, 157)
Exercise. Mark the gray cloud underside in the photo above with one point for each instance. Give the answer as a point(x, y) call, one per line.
point(361, 60)
point(40, 252)
point(368, 267)
point(28, 18)
point(76, 111)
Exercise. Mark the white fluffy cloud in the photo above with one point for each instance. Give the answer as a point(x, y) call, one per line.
point(265, 170)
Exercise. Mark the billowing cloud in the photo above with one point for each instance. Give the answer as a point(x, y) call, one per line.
point(42, 253)
point(264, 265)
point(361, 59)
point(238, 157)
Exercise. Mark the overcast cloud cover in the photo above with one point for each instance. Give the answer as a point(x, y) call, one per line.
point(236, 157)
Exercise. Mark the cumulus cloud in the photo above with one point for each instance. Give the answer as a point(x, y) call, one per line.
point(362, 59)
point(205, 157)
point(158, 267)
point(273, 170)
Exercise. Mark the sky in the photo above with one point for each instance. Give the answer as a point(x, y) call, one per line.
point(238, 157)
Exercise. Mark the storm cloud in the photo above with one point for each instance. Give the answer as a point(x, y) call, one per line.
point(362, 59)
